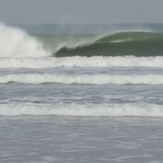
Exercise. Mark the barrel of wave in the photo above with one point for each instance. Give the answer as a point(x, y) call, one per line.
point(17, 43)
point(130, 43)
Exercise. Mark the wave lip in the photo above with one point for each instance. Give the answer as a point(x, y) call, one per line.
point(110, 110)
point(81, 79)
point(118, 44)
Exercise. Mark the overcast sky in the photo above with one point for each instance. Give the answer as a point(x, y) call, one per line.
point(81, 11)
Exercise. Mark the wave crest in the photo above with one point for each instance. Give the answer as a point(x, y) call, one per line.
point(118, 44)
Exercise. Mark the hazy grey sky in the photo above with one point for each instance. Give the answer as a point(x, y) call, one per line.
point(81, 11)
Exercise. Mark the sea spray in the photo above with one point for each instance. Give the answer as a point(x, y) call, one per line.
point(15, 42)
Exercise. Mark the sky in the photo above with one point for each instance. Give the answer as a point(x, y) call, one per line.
point(81, 11)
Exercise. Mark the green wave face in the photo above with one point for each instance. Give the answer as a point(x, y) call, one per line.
point(118, 44)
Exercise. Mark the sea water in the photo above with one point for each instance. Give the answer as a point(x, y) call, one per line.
point(67, 97)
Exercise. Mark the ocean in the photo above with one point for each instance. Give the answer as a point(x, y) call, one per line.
point(81, 93)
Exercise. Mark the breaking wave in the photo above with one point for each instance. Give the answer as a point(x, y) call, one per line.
point(49, 62)
point(21, 50)
point(138, 43)
point(99, 79)
point(121, 110)
point(17, 43)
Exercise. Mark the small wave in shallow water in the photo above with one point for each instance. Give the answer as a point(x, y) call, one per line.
point(99, 79)
point(121, 110)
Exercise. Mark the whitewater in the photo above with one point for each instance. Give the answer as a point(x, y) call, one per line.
point(31, 61)
point(81, 97)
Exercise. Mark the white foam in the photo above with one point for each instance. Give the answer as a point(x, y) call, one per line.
point(16, 43)
point(135, 109)
point(126, 61)
point(38, 78)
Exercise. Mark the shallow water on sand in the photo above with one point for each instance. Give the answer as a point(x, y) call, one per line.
point(81, 139)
